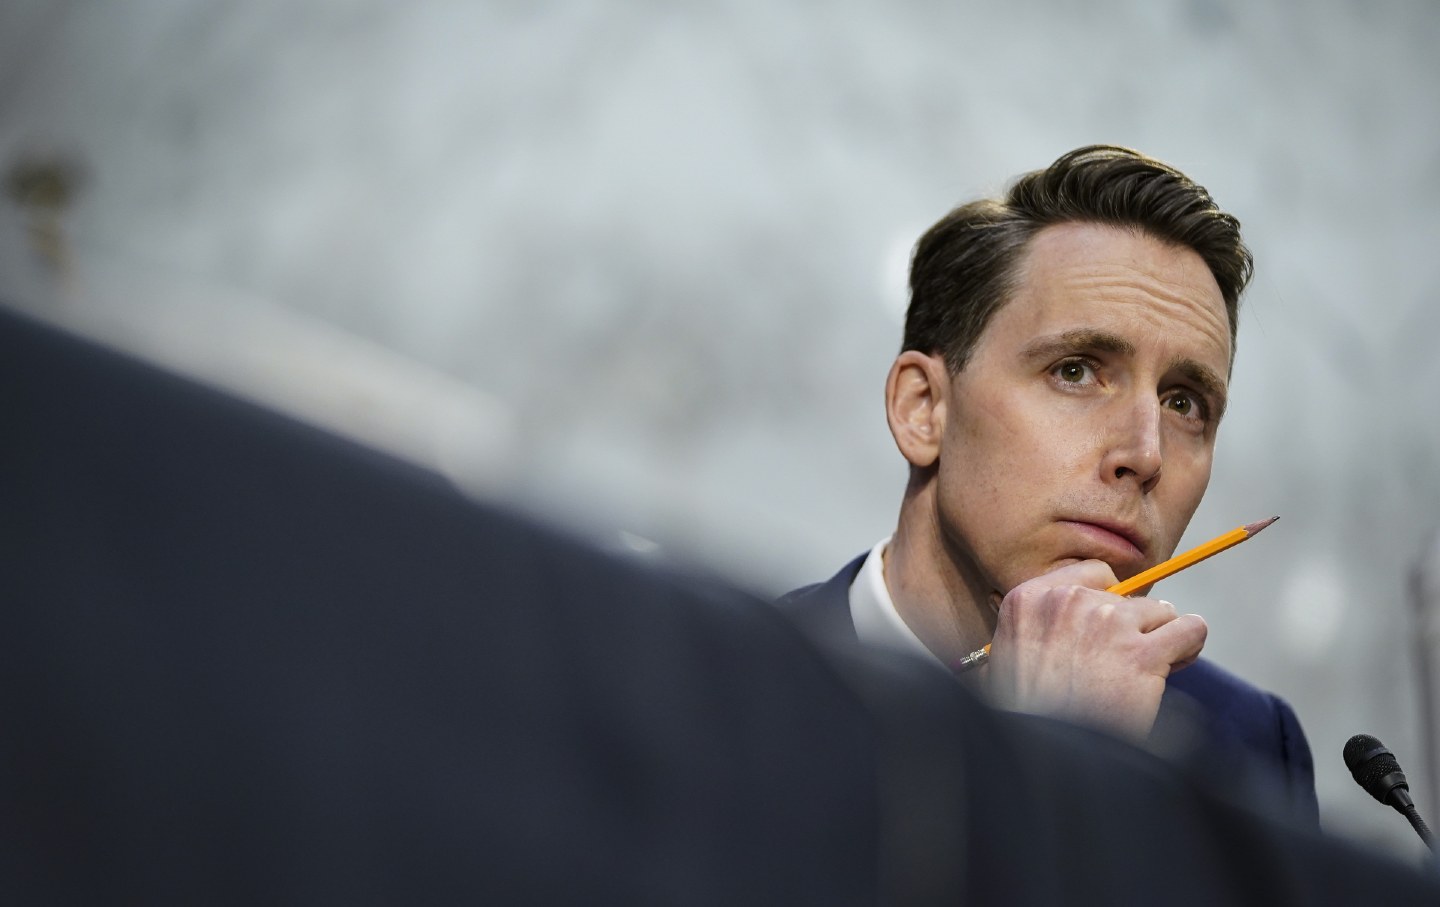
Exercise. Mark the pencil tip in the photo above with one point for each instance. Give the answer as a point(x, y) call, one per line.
point(1256, 527)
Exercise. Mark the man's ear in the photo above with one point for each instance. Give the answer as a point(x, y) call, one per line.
point(915, 395)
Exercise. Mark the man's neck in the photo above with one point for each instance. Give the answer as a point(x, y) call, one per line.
point(950, 616)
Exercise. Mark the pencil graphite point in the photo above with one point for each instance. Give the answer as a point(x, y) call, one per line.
point(1253, 528)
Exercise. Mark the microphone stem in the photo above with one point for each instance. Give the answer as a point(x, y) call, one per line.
point(1421, 828)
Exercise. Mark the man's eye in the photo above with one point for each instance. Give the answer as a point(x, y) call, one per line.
point(1185, 405)
point(1072, 372)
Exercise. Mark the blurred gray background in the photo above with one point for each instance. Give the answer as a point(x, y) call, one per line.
point(639, 267)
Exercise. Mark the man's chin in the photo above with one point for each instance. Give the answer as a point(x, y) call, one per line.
point(1063, 562)
point(1123, 570)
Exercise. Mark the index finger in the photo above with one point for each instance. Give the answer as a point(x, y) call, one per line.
point(1152, 613)
point(1182, 639)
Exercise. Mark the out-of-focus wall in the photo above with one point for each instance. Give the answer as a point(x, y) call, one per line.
point(641, 266)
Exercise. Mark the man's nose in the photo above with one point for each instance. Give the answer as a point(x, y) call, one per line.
point(1133, 452)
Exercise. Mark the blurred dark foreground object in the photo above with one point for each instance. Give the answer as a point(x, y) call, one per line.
point(245, 662)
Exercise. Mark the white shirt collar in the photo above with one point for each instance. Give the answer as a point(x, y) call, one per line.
point(873, 611)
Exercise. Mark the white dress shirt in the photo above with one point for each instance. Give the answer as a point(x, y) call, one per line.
point(873, 611)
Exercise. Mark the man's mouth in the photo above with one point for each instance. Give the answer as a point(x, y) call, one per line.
point(1119, 544)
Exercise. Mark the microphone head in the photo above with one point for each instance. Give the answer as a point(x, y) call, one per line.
point(1374, 767)
point(1361, 748)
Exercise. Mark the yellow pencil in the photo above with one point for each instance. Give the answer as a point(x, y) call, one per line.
point(1190, 558)
point(1154, 575)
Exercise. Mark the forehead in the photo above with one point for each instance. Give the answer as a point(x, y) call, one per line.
point(1160, 296)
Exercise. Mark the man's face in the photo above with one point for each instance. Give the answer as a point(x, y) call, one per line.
point(1083, 425)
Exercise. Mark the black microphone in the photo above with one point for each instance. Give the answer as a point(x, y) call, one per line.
point(1377, 770)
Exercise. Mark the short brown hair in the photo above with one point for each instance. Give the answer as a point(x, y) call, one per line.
point(965, 266)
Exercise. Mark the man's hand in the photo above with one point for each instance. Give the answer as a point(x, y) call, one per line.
point(1065, 647)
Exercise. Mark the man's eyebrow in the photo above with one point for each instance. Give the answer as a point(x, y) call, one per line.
point(1078, 341)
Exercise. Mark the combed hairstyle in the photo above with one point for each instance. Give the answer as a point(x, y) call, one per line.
point(967, 265)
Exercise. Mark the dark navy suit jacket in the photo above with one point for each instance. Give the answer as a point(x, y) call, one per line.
point(1222, 727)
point(246, 662)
